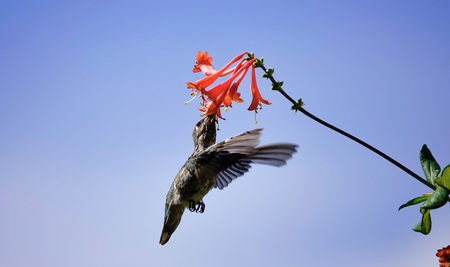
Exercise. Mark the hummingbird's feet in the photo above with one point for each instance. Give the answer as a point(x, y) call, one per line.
point(199, 207)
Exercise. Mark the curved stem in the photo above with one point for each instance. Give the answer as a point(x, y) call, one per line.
point(298, 107)
point(359, 141)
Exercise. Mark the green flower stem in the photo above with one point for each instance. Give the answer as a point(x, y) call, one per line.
point(359, 141)
point(297, 105)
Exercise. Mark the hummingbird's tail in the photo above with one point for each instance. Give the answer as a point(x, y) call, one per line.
point(273, 154)
point(171, 222)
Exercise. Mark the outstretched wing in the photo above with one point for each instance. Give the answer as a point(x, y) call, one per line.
point(229, 156)
point(233, 157)
point(273, 155)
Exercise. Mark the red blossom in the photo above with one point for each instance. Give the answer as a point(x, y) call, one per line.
point(218, 92)
point(202, 84)
point(210, 109)
point(223, 94)
point(256, 95)
point(444, 256)
point(203, 64)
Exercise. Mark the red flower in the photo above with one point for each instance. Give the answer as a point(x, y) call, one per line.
point(204, 64)
point(223, 94)
point(256, 95)
point(232, 93)
point(210, 109)
point(201, 84)
point(444, 256)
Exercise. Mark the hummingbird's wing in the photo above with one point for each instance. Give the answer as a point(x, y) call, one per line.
point(233, 157)
point(273, 155)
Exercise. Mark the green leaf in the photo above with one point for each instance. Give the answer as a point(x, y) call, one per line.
point(424, 226)
point(414, 201)
point(444, 180)
point(277, 86)
point(429, 165)
point(298, 105)
point(437, 199)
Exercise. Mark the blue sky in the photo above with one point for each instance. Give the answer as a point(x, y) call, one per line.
point(93, 130)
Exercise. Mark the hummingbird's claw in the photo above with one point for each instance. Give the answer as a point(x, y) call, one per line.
point(199, 207)
point(191, 205)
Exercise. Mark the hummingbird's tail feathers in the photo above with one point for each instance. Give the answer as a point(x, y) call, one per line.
point(171, 222)
point(274, 154)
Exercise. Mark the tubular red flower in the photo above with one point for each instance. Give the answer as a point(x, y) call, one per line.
point(217, 94)
point(202, 84)
point(256, 95)
point(233, 94)
point(223, 94)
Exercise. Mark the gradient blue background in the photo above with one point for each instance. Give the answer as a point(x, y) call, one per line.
point(93, 130)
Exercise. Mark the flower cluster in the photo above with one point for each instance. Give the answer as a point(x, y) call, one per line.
point(444, 256)
point(223, 94)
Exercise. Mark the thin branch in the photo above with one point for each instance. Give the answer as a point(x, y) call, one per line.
point(297, 105)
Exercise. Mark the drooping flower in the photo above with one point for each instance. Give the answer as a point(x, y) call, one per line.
point(225, 87)
point(223, 94)
point(256, 95)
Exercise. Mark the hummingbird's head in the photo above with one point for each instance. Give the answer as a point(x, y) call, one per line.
point(204, 133)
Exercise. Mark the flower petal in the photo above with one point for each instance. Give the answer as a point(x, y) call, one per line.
point(202, 84)
point(204, 64)
point(256, 95)
point(211, 108)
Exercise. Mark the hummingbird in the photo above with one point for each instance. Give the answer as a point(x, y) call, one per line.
point(214, 165)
